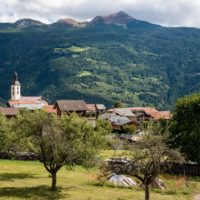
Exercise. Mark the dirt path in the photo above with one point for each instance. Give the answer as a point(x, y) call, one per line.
point(197, 197)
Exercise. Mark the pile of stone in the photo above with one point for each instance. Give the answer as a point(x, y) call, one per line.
point(19, 155)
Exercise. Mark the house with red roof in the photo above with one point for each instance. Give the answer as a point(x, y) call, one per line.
point(9, 112)
point(147, 113)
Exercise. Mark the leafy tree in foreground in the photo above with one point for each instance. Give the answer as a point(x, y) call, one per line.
point(145, 158)
point(2, 132)
point(68, 140)
point(185, 128)
point(6, 135)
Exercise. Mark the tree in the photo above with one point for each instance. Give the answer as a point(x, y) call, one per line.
point(185, 132)
point(146, 157)
point(2, 132)
point(129, 129)
point(118, 104)
point(68, 140)
point(7, 137)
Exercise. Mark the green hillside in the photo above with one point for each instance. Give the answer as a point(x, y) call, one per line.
point(139, 64)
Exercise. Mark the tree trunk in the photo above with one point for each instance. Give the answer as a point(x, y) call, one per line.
point(147, 195)
point(53, 186)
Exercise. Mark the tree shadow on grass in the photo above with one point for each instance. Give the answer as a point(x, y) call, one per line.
point(109, 185)
point(40, 192)
point(172, 192)
point(11, 176)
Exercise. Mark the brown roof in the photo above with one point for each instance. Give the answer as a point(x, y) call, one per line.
point(91, 107)
point(9, 111)
point(49, 108)
point(72, 105)
point(155, 114)
point(165, 115)
point(94, 107)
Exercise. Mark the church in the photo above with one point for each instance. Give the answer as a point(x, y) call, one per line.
point(19, 101)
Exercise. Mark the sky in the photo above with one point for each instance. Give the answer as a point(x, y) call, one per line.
point(164, 12)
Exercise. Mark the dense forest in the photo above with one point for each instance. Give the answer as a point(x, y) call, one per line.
point(138, 63)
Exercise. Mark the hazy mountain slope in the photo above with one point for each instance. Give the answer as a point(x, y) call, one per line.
point(133, 61)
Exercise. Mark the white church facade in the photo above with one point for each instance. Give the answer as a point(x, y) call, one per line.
point(19, 101)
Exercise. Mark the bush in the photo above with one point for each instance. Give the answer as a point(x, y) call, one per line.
point(129, 129)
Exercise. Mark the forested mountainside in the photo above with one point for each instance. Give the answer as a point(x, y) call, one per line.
point(109, 59)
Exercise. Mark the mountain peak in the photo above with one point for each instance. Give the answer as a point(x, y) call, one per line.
point(120, 18)
point(121, 14)
point(70, 22)
point(22, 23)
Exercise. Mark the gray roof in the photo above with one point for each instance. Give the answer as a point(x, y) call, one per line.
point(15, 80)
point(118, 120)
point(115, 119)
point(124, 112)
point(72, 105)
point(106, 115)
point(100, 107)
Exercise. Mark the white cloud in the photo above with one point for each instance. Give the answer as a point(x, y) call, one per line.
point(165, 12)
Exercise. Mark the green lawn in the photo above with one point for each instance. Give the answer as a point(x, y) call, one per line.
point(29, 180)
point(85, 73)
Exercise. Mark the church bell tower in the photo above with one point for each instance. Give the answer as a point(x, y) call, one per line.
point(15, 88)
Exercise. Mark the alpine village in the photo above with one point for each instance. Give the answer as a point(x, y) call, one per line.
point(101, 131)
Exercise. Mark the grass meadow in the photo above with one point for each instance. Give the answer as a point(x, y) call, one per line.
point(28, 180)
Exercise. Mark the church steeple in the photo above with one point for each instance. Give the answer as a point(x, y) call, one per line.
point(15, 88)
point(15, 77)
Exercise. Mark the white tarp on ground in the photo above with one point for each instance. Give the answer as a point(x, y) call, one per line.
point(121, 180)
point(157, 184)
